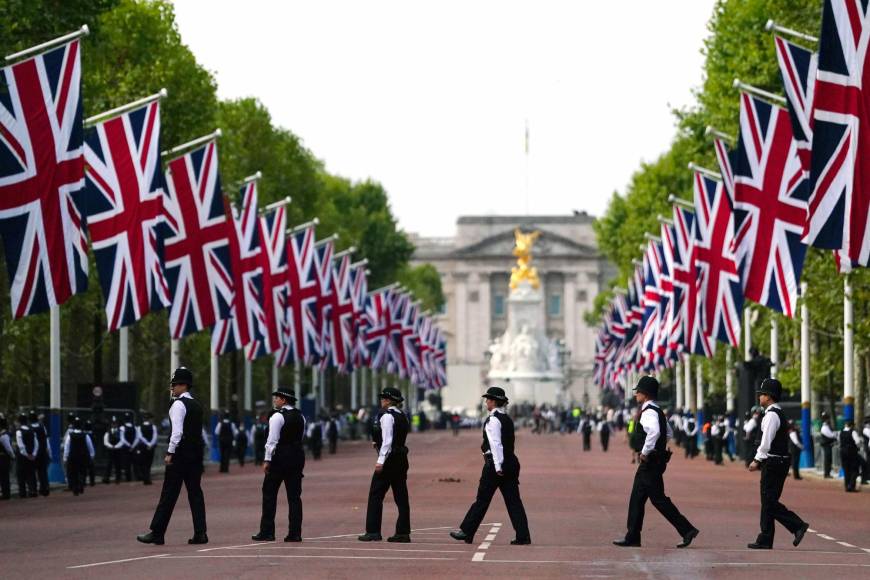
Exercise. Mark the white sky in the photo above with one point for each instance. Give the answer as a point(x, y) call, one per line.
point(431, 97)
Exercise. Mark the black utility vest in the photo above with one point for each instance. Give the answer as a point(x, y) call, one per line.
point(779, 445)
point(78, 447)
point(28, 437)
point(41, 436)
point(114, 436)
point(129, 434)
point(293, 429)
point(847, 444)
point(191, 430)
point(226, 435)
point(638, 436)
point(507, 433)
point(400, 429)
point(147, 430)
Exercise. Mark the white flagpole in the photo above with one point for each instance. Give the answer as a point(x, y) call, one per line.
point(848, 351)
point(774, 346)
point(297, 379)
point(249, 395)
point(807, 459)
point(729, 380)
point(54, 358)
point(315, 388)
point(699, 388)
point(353, 389)
point(124, 354)
point(174, 347)
point(687, 381)
point(747, 332)
point(678, 383)
point(213, 382)
point(275, 376)
point(364, 394)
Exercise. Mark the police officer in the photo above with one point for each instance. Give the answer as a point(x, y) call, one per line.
point(183, 462)
point(332, 434)
point(604, 434)
point(650, 439)
point(91, 468)
point(241, 444)
point(315, 438)
point(750, 436)
point(146, 441)
point(773, 460)
point(6, 455)
point(128, 440)
point(586, 430)
point(501, 470)
point(827, 438)
point(850, 442)
point(43, 458)
point(113, 442)
point(225, 432)
point(25, 459)
point(260, 431)
point(690, 428)
point(78, 451)
point(284, 463)
point(391, 469)
point(795, 447)
point(865, 466)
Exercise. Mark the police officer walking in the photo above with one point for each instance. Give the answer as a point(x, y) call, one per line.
point(827, 438)
point(501, 471)
point(850, 460)
point(772, 458)
point(43, 458)
point(6, 455)
point(91, 468)
point(183, 462)
point(283, 463)
point(226, 432)
point(650, 439)
point(391, 469)
point(146, 441)
point(25, 460)
point(78, 451)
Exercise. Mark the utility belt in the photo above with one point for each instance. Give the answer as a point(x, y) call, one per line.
point(777, 460)
point(399, 451)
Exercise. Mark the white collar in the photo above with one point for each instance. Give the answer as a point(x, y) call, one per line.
point(184, 394)
point(496, 410)
point(772, 406)
point(648, 403)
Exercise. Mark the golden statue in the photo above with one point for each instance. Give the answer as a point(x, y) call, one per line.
point(523, 251)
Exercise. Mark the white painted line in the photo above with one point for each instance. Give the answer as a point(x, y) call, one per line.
point(412, 531)
point(824, 537)
point(484, 546)
point(810, 530)
point(478, 557)
point(489, 537)
point(232, 547)
point(847, 544)
point(494, 530)
point(230, 556)
point(298, 547)
point(416, 542)
point(116, 561)
point(866, 550)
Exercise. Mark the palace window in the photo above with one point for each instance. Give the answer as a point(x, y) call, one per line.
point(554, 305)
point(498, 310)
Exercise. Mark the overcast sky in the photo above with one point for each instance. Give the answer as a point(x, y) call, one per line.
point(431, 98)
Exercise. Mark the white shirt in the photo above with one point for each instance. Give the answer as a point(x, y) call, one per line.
point(794, 439)
point(217, 430)
point(88, 442)
point(691, 432)
point(493, 434)
point(177, 413)
point(867, 431)
point(649, 420)
point(827, 431)
point(855, 437)
point(276, 423)
point(20, 440)
point(769, 427)
point(387, 421)
point(108, 444)
point(7, 445)
point(149, 443)
point(749, 425)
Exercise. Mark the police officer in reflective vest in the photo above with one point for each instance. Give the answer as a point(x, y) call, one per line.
point(283, 463)
point(183, 462)
point(501, 470)
point(650, 440)
point(772, 458)
point(391, 469)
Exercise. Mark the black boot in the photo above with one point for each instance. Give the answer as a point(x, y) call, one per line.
point(400, 538)
point(261, 537)
point(367, 537)
point(151, 538)
point(462, 537)
point(198, 539)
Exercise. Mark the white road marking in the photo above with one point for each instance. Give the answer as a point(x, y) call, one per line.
point(484, 546)
point(599, 563)
point(194, 556)
point(412, 531)
point(116, 561)
point(490, 537)
point(847, 544)
point(232, 547)
point(824, 537)
point(298, 547)
point(478, 557)
point(810, 530)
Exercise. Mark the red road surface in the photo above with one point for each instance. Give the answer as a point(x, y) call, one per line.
point(576, 504)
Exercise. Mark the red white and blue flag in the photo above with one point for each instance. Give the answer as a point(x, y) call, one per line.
point(123, 196)
point(198, 261)
point(653, 269)
point(323, 253)
point(839, 206)
point(300, 329)
point(267, 335)
point(233, 333)
point(339, 316)
point(42, 173)
point(379, 327)
point(359, 294)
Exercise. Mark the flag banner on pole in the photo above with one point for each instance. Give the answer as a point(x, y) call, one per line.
point(124, 192)
point(198, 262)
point(267, 335)
point(770, 205)
point(410, 365)
point(42, 173)
point(653, 263)
point(300, 330)
point(396, 361)
point(379, 325)
point(233, 333)
point(338, 331)
point(359, 291)
point(839, 207)
point(719, 289)
point(323, 252)
point(797, 68)
point(440, 359)
point(686, 285)
point(665, 351)
point(424, 377)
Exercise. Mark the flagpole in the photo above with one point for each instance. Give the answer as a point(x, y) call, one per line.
point(174, 347)
point(106, 115)
point(276, 205)
point(706, 172)
point(315, 388)
point(123, 354)
point(699, 393)
point(729, 380)
point(741, 86)
point(687, 381)
point(683, 203)
point(772, 26)
point(353, 389)
point(364, 394)
point(774, 346)
point(807, 458)
point(190, 145)
point(248, 385)
point(46, 46)
point(678, 383)
point(747, 333)
point(297, 379)
point(712, 131)
point(55, 401)
point(275, 375)
point(301, 227)
point(213, 382)
point(848, 351)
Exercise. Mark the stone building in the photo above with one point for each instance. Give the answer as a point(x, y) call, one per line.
point(475, 267)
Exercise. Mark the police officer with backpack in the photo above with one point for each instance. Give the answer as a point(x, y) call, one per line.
point(650, 440)
point(391, 469)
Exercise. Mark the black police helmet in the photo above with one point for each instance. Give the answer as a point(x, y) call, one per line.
point(649, 386)
point(770, 387)
point(391, 393)
point(496, 394)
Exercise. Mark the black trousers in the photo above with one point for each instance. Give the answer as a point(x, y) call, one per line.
point(126, 457)
point(241, 451)
point(26, 474)
point(717, 450)
point(587, 441)
point(226, 454)
point(75, 474)
point(144, 460)
point(42, 462)
point(292, 480)
point(113, 463)
point(773, 474)
point(394, 475)
point(649, 485)
point(509, 484)
point(605, 441)
point(333, 445)
point(796, 464)
point(691, 446)
point(259, 453)
point(750, 450)
point(189, 474)
point(851, 466)
point(91, 470)
point(5, 468)
point(828, 452)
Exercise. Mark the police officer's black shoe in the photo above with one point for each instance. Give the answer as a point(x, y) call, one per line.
point(799, 535)
point(462, 537)
point(757, 546)
point(261, 537)
point(198, 539)
point(289, 538)
point(687, 539)
point(151, 538)
point(400, 538)
point(623, 543)
point(370, 538)
point(519, 542)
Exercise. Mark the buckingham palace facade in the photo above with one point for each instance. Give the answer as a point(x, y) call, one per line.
point(475, 267)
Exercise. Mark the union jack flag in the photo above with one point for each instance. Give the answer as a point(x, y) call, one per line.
point(653, 269)
point(719, 288)
point(839, 206)
point(407, 345)
point(797, 68)
point(358, 291)
point(687, 324)
point(379, 328)
point(42, 172)
point(339, 316)
point(233, 333)
point(440, 359)
point(666, 349)
point(425, 348)
point(124, 199)
point(770, 205)
point(300, 329)
point(198, 262)
point(323, 252)
point(267, 335)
